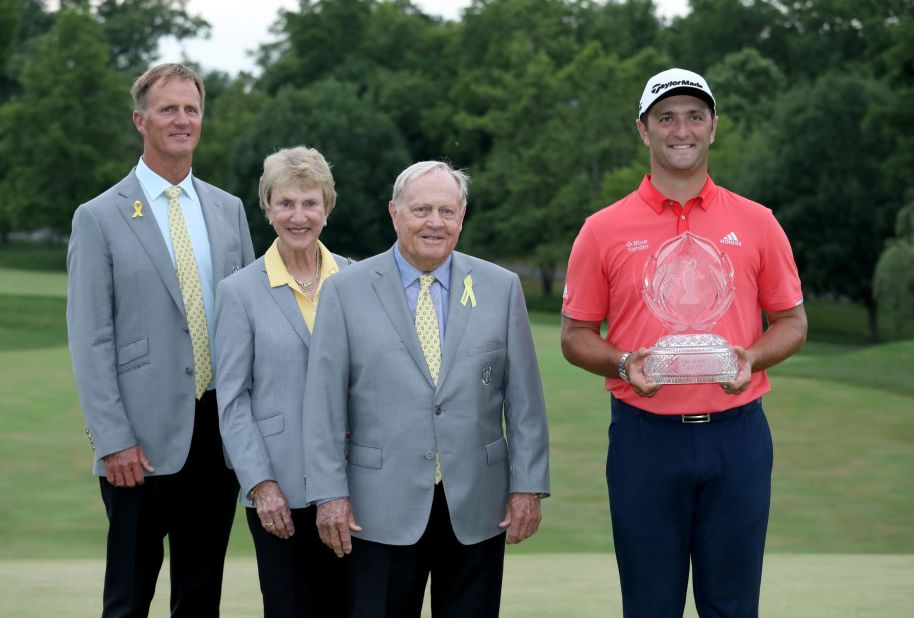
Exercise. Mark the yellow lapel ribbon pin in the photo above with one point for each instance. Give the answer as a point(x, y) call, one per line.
point(468, 294)
point(138, 209)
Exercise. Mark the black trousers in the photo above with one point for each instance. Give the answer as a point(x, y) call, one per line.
point(388, 581)
point(194, 508)
point(300, 577)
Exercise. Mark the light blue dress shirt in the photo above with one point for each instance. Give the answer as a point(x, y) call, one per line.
point(154, 187)
point(439, 291)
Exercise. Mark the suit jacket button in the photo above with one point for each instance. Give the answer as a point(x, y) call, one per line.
point(429, 455)
point(188, 370)
point(185, 329)
point(438, 410)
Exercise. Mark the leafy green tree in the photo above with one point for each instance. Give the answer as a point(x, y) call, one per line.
point(804, 38)
point(495, 42)
point(133, 28)
point(361, 143)
point(9, 28)
point(745, 86)
point(812, 37)
point(412, 64)
point(491, 26)
point(321, 39)
point(393, 52)
point(63, 137)
point(21, 22)
point(622, 28)
point(893, 280)
point(556, 133)
point(821, 172)
point(894, 121)
point(714, 28)
point(231, 105)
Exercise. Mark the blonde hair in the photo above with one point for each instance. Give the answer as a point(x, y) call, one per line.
point(303, 165)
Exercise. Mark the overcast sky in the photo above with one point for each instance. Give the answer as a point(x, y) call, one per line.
point(237, 28)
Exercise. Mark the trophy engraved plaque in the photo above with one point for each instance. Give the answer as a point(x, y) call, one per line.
point(688, 285)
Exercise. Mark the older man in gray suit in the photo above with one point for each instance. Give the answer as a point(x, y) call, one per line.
point(143, 261)
point(425, 356)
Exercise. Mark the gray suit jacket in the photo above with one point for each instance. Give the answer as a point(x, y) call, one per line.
point(262, 346)
point(128, 337)
point(486, 417)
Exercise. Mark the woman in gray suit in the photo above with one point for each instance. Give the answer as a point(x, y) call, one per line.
point(264, 317)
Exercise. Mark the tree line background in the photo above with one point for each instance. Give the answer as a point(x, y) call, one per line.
point(535, 98)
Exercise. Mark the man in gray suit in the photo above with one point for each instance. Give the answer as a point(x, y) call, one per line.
point(143, 261)
point(425, 356)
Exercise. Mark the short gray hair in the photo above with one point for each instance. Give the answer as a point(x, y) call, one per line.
point(417, 170)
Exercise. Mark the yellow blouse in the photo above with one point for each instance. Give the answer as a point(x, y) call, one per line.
point(279, 275)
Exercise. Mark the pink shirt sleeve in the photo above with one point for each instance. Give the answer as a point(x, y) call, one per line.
point(586, 296)
point(778, 280)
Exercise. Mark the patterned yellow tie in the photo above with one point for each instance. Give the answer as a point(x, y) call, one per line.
point(429, 339)
point(189, 280)
point(427, 326)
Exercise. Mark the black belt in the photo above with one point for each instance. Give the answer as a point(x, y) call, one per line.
point(707, 417)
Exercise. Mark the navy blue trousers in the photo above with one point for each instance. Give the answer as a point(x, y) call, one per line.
point(689, 493)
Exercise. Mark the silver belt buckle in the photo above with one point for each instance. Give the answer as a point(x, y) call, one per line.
point(696, 418)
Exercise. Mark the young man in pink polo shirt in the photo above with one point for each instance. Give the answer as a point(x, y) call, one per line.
point(689, 466)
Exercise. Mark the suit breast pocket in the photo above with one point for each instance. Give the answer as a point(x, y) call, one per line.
point(133, 355)
point(487, 360)
point(491, 345)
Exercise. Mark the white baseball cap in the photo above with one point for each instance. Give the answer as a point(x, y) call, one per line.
point(675, 81)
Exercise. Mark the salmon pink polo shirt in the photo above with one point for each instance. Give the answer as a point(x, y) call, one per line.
point(605, 274)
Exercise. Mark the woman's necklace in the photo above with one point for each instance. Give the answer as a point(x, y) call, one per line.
point(307, 285)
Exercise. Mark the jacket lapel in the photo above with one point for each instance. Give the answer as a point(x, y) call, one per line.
point(216, 230)
point(390, 293)
point(146, 229)
point(285, 299)
point(457, 316)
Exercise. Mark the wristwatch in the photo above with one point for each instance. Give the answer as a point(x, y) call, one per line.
point(622, 372)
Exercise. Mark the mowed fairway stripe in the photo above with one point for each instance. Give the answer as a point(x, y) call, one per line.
point(32, 283)
point(536, 585)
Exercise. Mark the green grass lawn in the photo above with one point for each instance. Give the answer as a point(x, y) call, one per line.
point(32, 309)
point(535, 586)
point(28, 322)
point(842, 481)
point(842, 416)
point(34, 256)
point(32, 283)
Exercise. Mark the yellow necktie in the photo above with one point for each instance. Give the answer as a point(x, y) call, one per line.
point(189, 280)
point(429, 339)
point(427, 326)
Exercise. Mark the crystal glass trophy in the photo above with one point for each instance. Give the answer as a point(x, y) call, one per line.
point(688, 285)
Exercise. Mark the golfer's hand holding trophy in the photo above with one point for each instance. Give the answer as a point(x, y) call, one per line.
point(688, 286)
